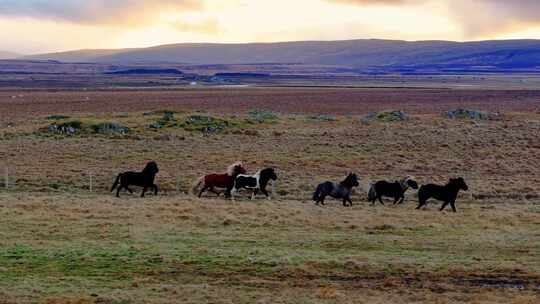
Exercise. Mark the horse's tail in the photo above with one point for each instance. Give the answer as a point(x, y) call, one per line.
point(116, 182)
point(196, 184)
point(372, 192)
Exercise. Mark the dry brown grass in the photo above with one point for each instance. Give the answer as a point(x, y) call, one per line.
point(495, 157)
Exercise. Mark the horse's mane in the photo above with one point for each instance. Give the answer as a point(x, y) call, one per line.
point(230, 169)
point(265, 170)
point(404, 182)
point(151, 168)
point(348, 179)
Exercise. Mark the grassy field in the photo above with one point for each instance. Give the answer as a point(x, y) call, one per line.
point(97, 249)
point(62, 243)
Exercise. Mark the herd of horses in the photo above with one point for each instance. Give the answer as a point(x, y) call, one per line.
point(236, 179)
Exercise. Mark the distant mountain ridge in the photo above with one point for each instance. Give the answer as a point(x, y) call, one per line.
point(363, 54)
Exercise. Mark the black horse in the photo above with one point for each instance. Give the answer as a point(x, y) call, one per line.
point(447, 193)
point(342, 190)
point(395, 190)
point(143, 179)
point(256, 182)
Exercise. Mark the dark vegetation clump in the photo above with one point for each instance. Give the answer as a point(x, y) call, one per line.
point(67, 128)
point(160, 112)
point(167, 120)
point(57, 117)
point(262, 115)
point(323, 117)
point(471, 114)
point(109, 128)
point(206, 124)
point(385, 116)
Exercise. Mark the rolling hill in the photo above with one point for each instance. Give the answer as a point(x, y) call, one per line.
point(366, 55)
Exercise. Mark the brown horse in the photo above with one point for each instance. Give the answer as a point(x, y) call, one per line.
point(225, 181)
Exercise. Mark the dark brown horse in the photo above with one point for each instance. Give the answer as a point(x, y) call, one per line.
point(224, 181)
point(143, 179)
point(447, 193)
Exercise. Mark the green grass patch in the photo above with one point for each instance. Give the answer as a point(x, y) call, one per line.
point(262, 115)
point(57, 117)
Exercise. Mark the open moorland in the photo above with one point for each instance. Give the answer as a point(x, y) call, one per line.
point(65, 239)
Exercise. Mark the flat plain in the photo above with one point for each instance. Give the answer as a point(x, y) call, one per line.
point(62, 243)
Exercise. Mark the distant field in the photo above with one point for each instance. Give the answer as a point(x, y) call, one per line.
point(62, 243)
point(22, 104)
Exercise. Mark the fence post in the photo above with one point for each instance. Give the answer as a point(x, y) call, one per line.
point(91, 177)
point(178, 180)
point(6, 180)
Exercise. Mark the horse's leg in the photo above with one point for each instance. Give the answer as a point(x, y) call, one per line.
point(444, 206)
point(144, 191)
point(202, 191)
point(349, 200)
point(254, 194)
point(233, 193)
point(401, 200)
point(396, 199)
point(421, 203)
point(213, 190)
point(380, 200)
point(128, 189)
point(452, 204)
point(263, 190)
point(156, 189)
point(228, 191)
point(118, 191)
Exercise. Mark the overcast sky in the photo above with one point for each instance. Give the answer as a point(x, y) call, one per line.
point(32, 26)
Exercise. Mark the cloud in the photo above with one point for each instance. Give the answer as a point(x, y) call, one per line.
point(93, 11)
point(490, 17)
point(476, 18)
point(375, 2)
point(208, 26)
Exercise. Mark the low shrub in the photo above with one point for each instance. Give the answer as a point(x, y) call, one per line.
point(471, 114)
point(262, 115)
point(205, 124)
point(385, 116)
point(109, 128)
point(57, 117)
point(323, 117)
point(67, 128)
point(161, 112)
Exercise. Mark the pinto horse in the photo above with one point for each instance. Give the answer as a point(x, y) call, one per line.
point(143, 179)
point(257, 182)
point(225, 181)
